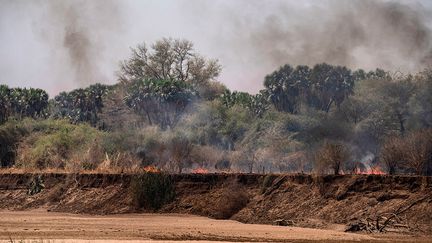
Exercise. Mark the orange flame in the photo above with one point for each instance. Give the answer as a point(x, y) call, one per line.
point(200, 171)
point(151, 169)
point(376, 170)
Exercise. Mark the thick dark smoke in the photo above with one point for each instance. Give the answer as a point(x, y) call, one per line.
point(359, 34)
point(80, 26)
point(76, 42)
point(59, 45)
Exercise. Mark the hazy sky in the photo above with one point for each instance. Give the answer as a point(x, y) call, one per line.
point(61, 45)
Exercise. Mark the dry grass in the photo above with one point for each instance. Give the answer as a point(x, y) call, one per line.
point(151, 190)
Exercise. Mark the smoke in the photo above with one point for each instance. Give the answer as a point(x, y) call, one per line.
point(80, 26)
point(353, 33)
point(78, 43)
point(367, 161)
point(359, 34)
point(62, 44)
point(74, 43)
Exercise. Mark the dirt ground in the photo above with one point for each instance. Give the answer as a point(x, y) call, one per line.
point(99, 207)
point(42, 226)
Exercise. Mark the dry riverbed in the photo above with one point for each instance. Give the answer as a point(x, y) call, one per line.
point(42, 226)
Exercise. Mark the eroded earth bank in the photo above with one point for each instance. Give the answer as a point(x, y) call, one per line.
point(375, 206)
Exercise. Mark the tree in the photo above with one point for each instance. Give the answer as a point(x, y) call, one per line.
point(37, 102)
point(397, 95)
point(333, 156)
point(330, 85)
point(421, 101)
point(180, 148)
point(418, 150)
point(162, 102)
point(22, 102)
point(412, 152)
point(320, 87)
point(257, 104)
point(169, 59)
point(378, 108)
point(81, 105)
point(359, 75)
point(392, 154)
point(4, 103)
point(355, 109)
point(286, 85)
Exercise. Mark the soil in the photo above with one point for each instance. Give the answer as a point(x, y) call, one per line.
point(306, 201)
point(39, 224)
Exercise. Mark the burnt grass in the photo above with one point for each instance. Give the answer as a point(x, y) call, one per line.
point(300, 199)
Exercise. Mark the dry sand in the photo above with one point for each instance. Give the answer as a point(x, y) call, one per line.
point(44, 226)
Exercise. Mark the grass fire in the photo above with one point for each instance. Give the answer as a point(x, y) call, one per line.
point(230, 120)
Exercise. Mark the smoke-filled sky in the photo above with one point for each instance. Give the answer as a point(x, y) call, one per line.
point(61, 45)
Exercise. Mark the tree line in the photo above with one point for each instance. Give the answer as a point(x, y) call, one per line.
point(305, 118)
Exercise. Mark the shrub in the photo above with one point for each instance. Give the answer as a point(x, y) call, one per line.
point(419, 152)
point(333, 156)
point(180, 148)
point(10, 134)
point(412, 153)
point(151, 190)
point(392, 154)
point(208, 156)
point(57, 143)
point(93, 156)
point(36, 185)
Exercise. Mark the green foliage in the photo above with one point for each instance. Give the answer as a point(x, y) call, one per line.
point(257, 104)
point(170, 113)
point(285, 86)
point(22, 102)
point(45, 143)
point(36, 185)
point(162, 102)
point(169, 59)
point(204, 124)
point(236, 123)
point(10, 134)
point(4, 103)
point(81, 105)
point(420, 105)
point(319, 87)
point(152, 190)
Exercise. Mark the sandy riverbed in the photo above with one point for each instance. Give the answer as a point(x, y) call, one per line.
point(41, 225)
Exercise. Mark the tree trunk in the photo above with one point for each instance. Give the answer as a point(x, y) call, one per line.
point(328, 106)
point(401, 124)
point(336, 169)
point(149, 119)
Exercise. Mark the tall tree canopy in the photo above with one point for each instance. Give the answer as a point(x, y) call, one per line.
point(169, 59)
point(160, 101)
point(257, 104)
point(22, 102)
point(81, 105)
point(319, 87)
